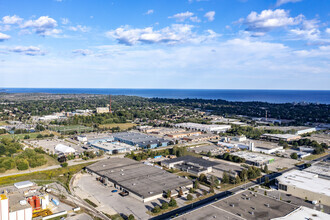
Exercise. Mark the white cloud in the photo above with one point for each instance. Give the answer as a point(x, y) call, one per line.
point(282, 2)
point(308, 31)
point(79, 28)
point(181, 17)
point(174, 34)
point(268, 20)
point(65, 20)
point(195, 19)
point(327, 30)
point(12, 19)
point(83, 52)
point(4, 37)
point(210, 15)
point(43, 26)
point(149, 12)
point(30, 51)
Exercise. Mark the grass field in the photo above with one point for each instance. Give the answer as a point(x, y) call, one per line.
point(70, 128)
point(315, 156)
point(32, 135)
point(62, 175)
point(3, 123)
point(122, 126)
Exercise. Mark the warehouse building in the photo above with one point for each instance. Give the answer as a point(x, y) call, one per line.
point(321, 168)
point(201, 137)
point(305, 185)
point(203, 127)
point(63, 149)
point(280, 137)
point(184, 134)
point(254, 158)
point(140, 139)
point(113, 147)
point(140, 181)
point(190, 164)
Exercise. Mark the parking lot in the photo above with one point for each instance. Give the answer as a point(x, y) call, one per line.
point(87, 187)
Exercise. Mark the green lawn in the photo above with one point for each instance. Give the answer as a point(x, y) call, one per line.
point(21, 136)
point(122, 126)
point(3, 123)
point(315, 156)
point(70, 128)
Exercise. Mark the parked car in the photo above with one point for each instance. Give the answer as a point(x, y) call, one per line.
point(114, 191)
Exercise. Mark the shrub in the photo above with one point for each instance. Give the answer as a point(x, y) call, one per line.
point(189, 197)
point(164, 205)
point(65, 164)
point(131, 217)
point(172, 202)
point(156, 209)
point(22, 164)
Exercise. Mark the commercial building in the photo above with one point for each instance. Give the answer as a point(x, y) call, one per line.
point(140, 139)
point(254, 158)
point(100, 139)
point(280, 137)
point(204, 127)
point(140, 181)
point(305, 185)
point(113, 147)
point(190, 164)
point(81, 138)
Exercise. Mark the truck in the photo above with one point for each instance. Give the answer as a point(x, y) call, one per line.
point(55, 201)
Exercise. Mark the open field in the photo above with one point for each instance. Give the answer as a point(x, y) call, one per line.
point(122, 126)
point(62, 175)
point(71, 128)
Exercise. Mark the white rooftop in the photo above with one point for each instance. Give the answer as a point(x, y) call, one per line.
point(305, 213)
point(23, 184)
point(305, 180)
point(64, 149)
point(281, 135)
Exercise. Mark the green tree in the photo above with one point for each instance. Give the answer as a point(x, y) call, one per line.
point(65, 164)
point(266, 169)
point(238, 180)
point(131, 217)
point(156, 209)
point(196, 184)
point(164, 205)
point(225, 177)
point(189, 197)
point(26, 137)
point(172, 203)
point(294, 156)
point(168, 194)
point(22, 164)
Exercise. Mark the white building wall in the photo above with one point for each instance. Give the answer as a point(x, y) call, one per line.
point(28, 214)
point(12, 216)
point(20, 214)
point(4, 209)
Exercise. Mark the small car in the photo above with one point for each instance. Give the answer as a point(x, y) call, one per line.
point(114, 191)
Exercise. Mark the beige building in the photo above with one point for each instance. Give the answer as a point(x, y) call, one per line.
point(305, 185)
point(101, 110)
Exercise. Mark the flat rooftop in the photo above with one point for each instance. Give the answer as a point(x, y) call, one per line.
point(321, 168)
point(191, 159)
point(138, 138)
point(239, 207)
point(306, 180)
point(141, 179)
point(252, 156)
point(14, 202)
point(281, 135)
point(305, 213)
point(113, 146)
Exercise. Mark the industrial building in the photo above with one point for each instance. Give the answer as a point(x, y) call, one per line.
point(305, 213)
point(183, 134)
point(100, 139)
point(280, 137)
point(254, 158)
point(140, 139)
point(190, 164)
point(113, 147)
point(203, 127)
point(306, 131)
point(305, 185)
point(201, 137)
point(321, 168)
point(140, 181)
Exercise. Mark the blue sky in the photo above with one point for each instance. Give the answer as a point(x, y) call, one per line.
point(207, 44)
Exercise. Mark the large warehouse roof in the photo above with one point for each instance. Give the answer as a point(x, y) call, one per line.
point(143, 180)
point(64, 149)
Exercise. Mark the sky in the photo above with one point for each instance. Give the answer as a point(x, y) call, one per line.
point(185, 44)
